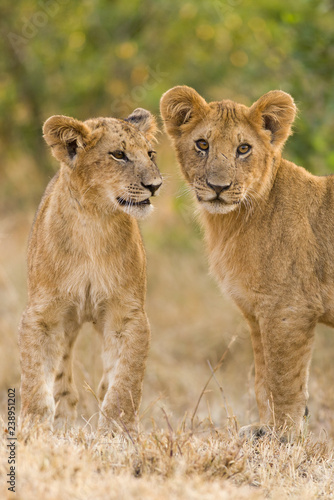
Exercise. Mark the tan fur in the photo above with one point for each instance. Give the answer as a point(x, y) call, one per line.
point(86, 262)
point(269, 231)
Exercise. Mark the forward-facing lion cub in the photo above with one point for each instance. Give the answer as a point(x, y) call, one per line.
point(270, 232)
point(86, 262)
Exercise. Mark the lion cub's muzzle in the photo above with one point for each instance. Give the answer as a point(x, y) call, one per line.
point(128, 203)
point(152, 187)
point(215, 192)
point(131, 201)
point(219, 188)
point(218, 197)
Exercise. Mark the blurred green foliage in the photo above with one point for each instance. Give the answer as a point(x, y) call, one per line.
point(85, 58)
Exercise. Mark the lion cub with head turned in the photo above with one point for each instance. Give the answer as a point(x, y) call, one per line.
point(269, 231)
point(86, 262)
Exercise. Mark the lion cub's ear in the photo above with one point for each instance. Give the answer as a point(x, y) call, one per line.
point(65, 135)
point(276, 111)
point(144, 121)
point(178, 106)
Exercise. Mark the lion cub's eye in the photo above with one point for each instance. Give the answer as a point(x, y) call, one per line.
point(202, 144)
point(243, 149)
point(118, 155)
point(151, 154)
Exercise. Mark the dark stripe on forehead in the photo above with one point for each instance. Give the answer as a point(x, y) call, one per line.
point(220, 109)
point(226, 111)
point(125, 126)
point(229, 113)
point(95, 123)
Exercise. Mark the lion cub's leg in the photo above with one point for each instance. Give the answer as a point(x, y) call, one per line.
point(40, 341)
point(261, 386)
point(287, 342)
point(65, 391)
point(126, 343)
point(282, 352)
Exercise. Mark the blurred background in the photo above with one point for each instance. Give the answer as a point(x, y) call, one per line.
point(105, 58)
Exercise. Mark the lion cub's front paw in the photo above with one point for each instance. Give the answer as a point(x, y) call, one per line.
point(258, 431)
point(254, 431)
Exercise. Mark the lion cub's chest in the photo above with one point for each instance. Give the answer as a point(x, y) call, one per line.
point(102, 265)
point(233, 268)
point(232, 283)
point(86, 288)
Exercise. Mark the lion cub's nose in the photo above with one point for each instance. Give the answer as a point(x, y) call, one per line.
point(219, 188)
point(152, 187)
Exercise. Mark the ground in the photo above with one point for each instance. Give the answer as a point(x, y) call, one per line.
point(179, 451)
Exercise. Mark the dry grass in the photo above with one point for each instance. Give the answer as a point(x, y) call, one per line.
point(191, 324)
point(167, 463)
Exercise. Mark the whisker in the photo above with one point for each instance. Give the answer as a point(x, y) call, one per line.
point(256, 195)
point(166, 176)
point(256, 198)
point(184, 190)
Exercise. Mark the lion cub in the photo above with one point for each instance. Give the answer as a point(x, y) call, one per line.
point(86, 262)
point(269, 231)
